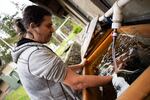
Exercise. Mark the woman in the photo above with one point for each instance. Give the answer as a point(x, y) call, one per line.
point(42, 73)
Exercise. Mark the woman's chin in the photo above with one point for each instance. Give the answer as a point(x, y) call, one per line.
point(47, 40)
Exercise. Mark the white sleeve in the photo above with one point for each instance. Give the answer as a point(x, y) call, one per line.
point(119, 84)
point(45, 64)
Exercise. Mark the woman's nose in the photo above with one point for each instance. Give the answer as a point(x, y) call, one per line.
point(52, 29)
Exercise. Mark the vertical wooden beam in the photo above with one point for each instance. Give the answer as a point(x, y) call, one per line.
point(94, 93)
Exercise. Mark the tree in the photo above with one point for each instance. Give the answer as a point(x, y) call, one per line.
point(6, 26)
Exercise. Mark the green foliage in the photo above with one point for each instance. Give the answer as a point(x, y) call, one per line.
point(77, 29)
point(64, 44)
point(19, 94)
point(68, 27)
point(6, 26)
point(54, 40)
point(57, 21)
point(5, 53)
point(73, 29)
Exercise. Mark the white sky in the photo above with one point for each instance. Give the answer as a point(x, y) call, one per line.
point(8, 7)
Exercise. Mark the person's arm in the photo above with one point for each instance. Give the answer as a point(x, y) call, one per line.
point(78, 82)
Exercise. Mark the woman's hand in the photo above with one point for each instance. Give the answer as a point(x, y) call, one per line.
point(79, 66)
point(83, 62)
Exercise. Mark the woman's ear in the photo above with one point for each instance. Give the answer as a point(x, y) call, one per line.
point(31, 28)
point(32, 25)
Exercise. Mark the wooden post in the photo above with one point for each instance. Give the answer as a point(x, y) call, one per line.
point(94, 93)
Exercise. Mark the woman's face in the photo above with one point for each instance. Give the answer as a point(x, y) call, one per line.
point(44, 32)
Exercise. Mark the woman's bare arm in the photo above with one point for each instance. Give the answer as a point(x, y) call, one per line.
point(78, 82)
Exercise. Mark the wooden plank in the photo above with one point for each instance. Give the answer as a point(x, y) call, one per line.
point(94, 93)
point(142, 30)
point(88, 36)
point(139, 89)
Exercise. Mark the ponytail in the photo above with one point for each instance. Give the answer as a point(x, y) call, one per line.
point(19, 27)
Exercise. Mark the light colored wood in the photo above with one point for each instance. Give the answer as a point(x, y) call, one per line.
point(142, 30)
point(139, 89)
point(100, 49)
point(88, 36)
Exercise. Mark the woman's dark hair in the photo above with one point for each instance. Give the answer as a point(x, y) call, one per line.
point(19, 26)
point(34, 14)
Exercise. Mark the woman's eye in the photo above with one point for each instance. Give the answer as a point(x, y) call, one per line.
point(49, 25)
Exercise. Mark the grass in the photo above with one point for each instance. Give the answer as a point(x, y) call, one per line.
point(18, 94)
